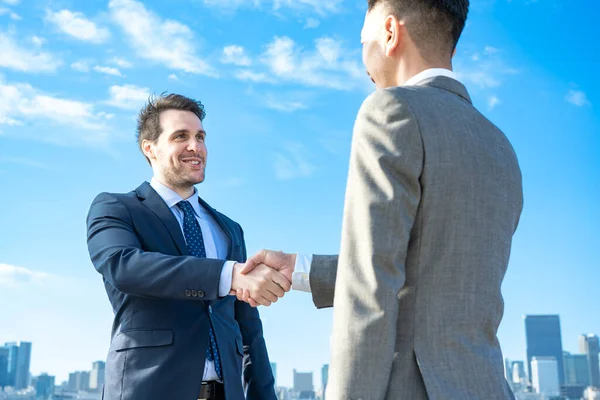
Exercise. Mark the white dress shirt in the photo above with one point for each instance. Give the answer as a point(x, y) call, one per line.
point(215, 243)
point(301, 274)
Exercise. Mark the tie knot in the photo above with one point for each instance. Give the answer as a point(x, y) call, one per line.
point(186, 207)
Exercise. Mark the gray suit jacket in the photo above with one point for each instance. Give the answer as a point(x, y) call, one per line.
point(433, 198)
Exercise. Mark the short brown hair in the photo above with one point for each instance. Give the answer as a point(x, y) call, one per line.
point(434, 25)
point(148, 122)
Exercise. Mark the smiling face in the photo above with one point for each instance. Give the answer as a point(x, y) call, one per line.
point(178, 156)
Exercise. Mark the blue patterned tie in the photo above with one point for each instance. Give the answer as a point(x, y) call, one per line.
point(195, 244)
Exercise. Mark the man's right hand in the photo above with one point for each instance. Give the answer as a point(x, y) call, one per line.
point(261, 283)
point(279, 261)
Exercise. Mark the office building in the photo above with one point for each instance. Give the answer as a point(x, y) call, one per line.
point(576, 369)
point(274, 370)
point(44, 387)
point(590, 346)
point(303, 382)
point(324, 378)
point(543, 337)
point(544, 376)
point(97, 375)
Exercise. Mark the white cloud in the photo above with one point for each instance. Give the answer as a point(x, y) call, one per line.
point(121, 62)
point(128, 97)
point(38, 41)
point(164, 41)
point(329, 65)
point(107, 70)
point(293, 163)
point(285, 106)
point(12, 2)
point(311, 23)
point(235, 55)
point(12, 15)
point(493, 101)
point(11, 276)
point(485, 69)
point(4, 120)
point(24, 58)
point(247, 75)
point(321, 7)
point(173, 77)
point(81, 66)
point(577, 97)
point(22, 102)
point(76, 25)
point(25, 161)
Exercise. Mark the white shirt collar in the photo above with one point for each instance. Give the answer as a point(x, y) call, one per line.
point(172, 198)
point(430, 73)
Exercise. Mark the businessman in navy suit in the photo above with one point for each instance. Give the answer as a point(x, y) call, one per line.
point(169, 262)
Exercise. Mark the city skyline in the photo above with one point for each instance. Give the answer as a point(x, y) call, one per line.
point(282, 83)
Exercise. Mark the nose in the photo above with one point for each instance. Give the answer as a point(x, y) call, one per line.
point(195, 146)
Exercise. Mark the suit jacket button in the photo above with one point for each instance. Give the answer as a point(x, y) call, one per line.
point(200, 293)
point(194, 293)
point(188, 293)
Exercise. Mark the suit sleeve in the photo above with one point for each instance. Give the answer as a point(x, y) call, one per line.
point(117, 255)
point(259, 383)
point(323, 270)
point(382, 196)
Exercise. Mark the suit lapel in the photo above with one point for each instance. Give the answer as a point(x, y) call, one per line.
point(155, 203)
point(222, 224)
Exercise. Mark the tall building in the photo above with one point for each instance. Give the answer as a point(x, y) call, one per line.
point(303, 381)
point(518, 372)
point(544, 376)
point(590, 346)
point(274, 370)
point(324, 378)
point(544, 339)
point(23, 363)
point(3, 367)
point(44, 386)
point(97, 375)
point(576, 369)
point(79, 380)
point(19, 358)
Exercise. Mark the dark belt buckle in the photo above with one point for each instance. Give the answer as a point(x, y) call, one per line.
point(208, 390)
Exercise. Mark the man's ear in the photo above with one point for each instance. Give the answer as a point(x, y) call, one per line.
point(394, 31)
point(148, 149)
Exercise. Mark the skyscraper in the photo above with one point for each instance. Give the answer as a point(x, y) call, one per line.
point(19, 358)
point(79, 380)
point(324, 378)
point(23, 362)
point(518, 372)
point(274, 370)
point(13, 351)
point(303, 381)
point(590, 346)
point(44, 386)
point(544, 376)
point(576, 369)
point(543, 337)
point(3, 367)
point(97, 375)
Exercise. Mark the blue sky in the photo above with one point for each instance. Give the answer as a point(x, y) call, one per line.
point(282, 81)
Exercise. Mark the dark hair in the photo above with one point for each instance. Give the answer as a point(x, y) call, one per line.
point(434, 25)
point(148, 122)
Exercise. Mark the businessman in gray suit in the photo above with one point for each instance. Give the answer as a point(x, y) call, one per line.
point(169, 262)
point(433, 199)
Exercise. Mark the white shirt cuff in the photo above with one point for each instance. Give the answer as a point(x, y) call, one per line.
point(226, 278)
point(301, 274)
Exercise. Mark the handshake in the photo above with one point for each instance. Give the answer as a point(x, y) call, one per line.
point(264, 278)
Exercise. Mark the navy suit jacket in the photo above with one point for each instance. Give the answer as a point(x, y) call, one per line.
point(163, 299)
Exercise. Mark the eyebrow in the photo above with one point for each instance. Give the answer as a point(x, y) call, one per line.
point(202, 131)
